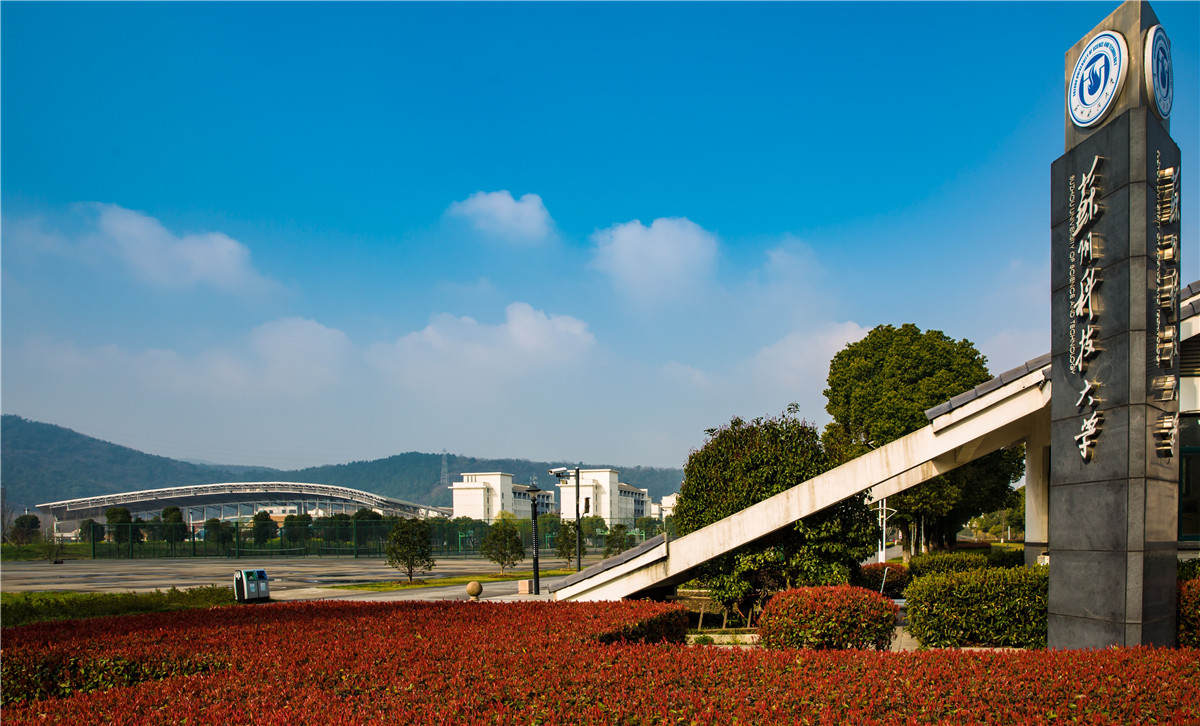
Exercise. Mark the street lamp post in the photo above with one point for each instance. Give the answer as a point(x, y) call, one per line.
point(884, 512)
point(533, 492)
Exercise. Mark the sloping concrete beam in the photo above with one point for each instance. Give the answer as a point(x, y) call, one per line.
point(994, 421)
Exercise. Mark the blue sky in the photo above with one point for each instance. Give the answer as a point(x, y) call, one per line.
point(296, 234)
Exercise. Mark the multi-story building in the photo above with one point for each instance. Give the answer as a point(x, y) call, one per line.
point(484, 495)
point(602, 494)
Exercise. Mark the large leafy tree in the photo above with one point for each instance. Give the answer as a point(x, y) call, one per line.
point(174, 530)
point(566, 542)
point(218, 533)
point(502, 544)
point(26, 529)
point(743, 463)
point(409, 546)
point(120, 524)
point(263, 527)
point(879, 390)
point(87, 530)
point(618, 540)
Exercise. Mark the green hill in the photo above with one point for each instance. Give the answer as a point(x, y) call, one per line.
point(42, 462)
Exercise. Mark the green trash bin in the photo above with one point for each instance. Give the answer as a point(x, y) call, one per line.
point(250, 586)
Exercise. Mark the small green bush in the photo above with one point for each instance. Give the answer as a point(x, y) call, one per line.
point(871, 577)
point(1188, 615)
point(988, 607)
point(922, 565)
point(828, 618)
point(1006, 557)
point(1188, 569)
point(30, 676)
point(22, 608)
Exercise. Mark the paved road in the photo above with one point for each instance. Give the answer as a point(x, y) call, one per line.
point(292, 579)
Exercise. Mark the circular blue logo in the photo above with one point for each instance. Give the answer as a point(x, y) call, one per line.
point(1098, 78)
point(1160, 76)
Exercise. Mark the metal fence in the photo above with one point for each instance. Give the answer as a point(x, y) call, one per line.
point(320, 538)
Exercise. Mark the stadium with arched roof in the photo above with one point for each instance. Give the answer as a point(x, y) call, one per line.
point(201, 501)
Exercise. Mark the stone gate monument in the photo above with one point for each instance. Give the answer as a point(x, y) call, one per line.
point(1114, 472)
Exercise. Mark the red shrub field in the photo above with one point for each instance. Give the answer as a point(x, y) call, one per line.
point(543, 663)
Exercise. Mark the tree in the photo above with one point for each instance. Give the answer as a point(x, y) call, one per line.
point(297, 527)
point(263, 528)
point(120, 524)
point(502, 544)
point(743, 463)
point(549, 525)
point(566, 542)
point(617, 541)
point(879, 390)
point(8, 515)
point(409, 546)
point(649, 526)
point(217, 532)
point(335, 528)
point(364, 524)
point(174, 530)
point(592, 525)
point(25, 529)
point(88, 531)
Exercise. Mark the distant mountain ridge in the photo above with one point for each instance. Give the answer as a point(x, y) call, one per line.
point(42, 462)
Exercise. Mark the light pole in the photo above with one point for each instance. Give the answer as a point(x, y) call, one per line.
point(533, 492)
point(884, 511)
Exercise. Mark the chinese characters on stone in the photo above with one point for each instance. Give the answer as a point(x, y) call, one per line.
point(1166, 220)
point(1085, 305)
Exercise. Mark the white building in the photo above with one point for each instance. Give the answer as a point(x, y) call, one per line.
point(668, 505)
point(484, 495)
point(601, 493)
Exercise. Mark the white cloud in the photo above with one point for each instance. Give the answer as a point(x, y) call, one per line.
point(667, 260)
point(456, 354)
point(797, 365)
point(687, 375)
point(292, 357)
point(165, 259)
point(518, 221)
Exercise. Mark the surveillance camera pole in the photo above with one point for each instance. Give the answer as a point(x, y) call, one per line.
point(578, 527)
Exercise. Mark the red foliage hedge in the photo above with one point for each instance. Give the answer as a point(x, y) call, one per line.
point(527, 663)
point(828, 618)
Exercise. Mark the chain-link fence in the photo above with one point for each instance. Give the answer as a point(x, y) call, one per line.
point(339, 537)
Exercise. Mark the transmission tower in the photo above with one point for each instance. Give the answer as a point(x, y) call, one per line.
point(445, 472)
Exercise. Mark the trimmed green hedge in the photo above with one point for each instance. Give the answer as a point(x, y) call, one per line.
point(871, 577)
point(828, 618)
point(1006, 557)
point(1188, 569)
point(922, 565)
point(982, 607)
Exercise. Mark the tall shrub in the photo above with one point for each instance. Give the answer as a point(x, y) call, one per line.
point(922, 565)
point(1188, 616)
point(828, 618)
point(988, 607)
